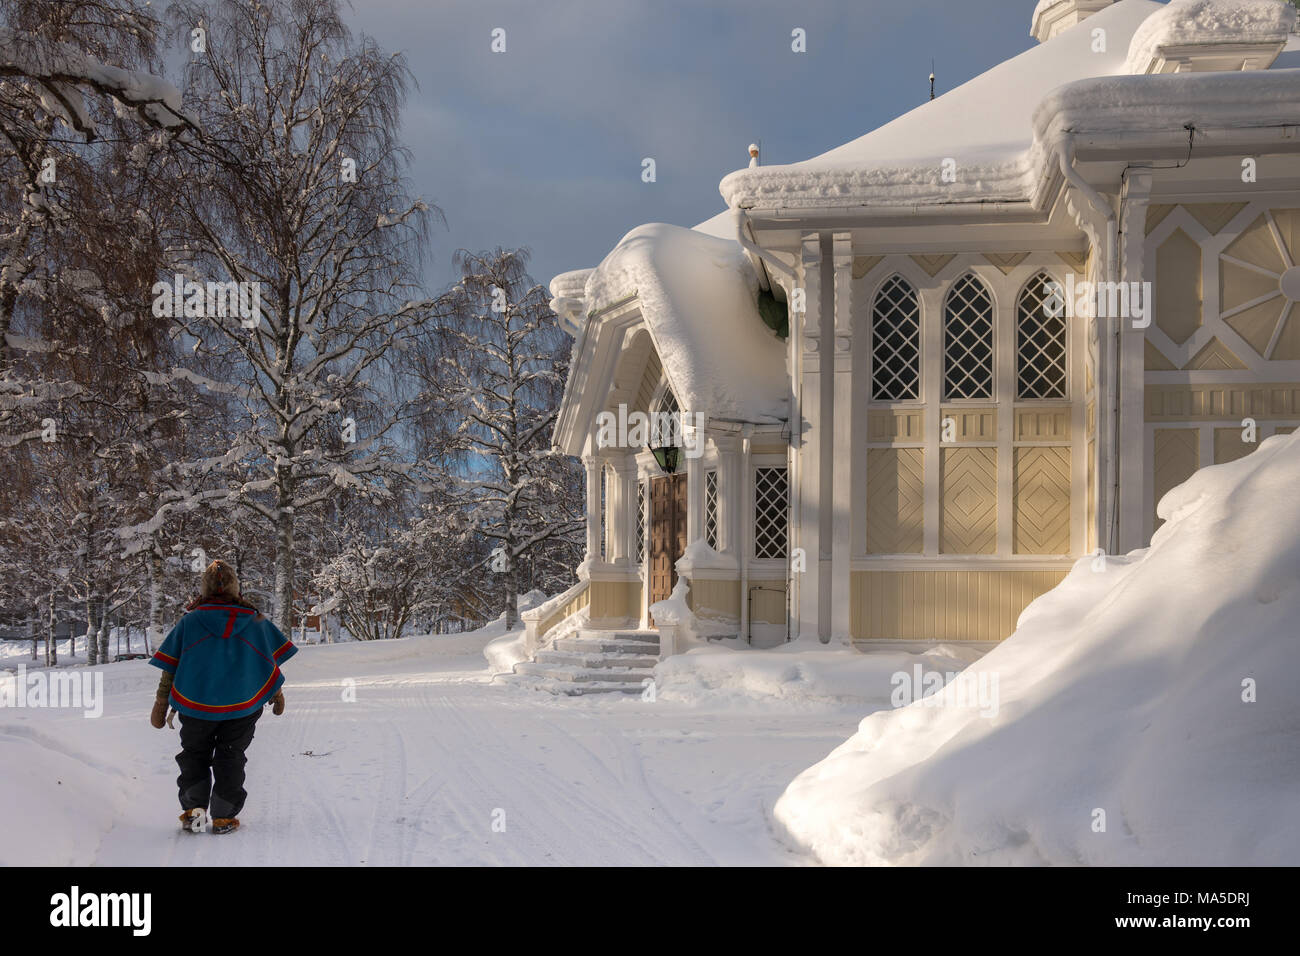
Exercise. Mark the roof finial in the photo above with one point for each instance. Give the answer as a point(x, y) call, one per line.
point(753, 155)
point(932, 78)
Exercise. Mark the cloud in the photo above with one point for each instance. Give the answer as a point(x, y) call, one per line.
point(542, 145)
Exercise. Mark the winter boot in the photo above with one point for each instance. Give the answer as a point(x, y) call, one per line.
point(225, 824)
point(196, 820)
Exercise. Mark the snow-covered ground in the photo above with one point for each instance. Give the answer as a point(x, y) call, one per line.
point(1143, 713)
point(1147, 710)
point(416, 771)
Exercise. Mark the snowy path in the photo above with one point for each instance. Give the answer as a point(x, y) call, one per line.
point(414, 772)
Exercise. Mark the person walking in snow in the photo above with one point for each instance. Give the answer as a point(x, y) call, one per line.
point(221, 666)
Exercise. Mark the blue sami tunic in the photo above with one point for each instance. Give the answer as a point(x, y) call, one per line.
point(225, 660)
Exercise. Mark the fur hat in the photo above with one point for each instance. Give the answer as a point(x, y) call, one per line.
point(219, 578)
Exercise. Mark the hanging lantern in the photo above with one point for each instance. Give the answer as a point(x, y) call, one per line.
point(668, 457)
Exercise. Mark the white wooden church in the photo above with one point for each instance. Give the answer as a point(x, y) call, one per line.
point(922, 374)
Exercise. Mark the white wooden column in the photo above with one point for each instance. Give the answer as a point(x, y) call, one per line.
point(619, 506)
point(694, 492)
point(592, 465)
point(730, 506)
point(1131, 447)
point(1004, 399)
point(841, 627)
point(810, 440)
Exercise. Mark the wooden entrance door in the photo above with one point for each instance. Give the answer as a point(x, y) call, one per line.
point(667, 533)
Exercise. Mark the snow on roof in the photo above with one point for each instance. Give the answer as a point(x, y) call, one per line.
point(723, 225)
point(984, 125)
point(1209, 21)
point(698, 298)
point(1171, 102)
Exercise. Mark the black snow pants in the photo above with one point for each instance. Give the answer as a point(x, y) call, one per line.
point(212, 763)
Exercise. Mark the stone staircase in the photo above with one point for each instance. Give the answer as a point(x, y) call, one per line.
point(592, 662)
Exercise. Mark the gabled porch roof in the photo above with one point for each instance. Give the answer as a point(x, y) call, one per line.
point(696, 296)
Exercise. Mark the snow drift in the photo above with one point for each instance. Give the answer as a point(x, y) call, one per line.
point(801, 674)
point(1126, 690)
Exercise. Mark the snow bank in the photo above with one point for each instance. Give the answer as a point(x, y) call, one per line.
point(1121, 691)
point(509, 648)
point(699, 299)
point(1209, 21)
point(801, 673)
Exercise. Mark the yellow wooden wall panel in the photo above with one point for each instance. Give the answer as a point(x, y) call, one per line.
point(890, 425)
point(972, 424)
point(968, 501)
point(1043, 424)
point(715, 598)
point(895, 502)
point(945, 605)
point(611, 600)
point(1178, 281)
point(1228, 445)
point(574, 605)
point(1202, 402)
point(767, 606)
point(1177, 454)
point(1041, 489)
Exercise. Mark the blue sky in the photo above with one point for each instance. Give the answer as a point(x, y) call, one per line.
point(541, 146)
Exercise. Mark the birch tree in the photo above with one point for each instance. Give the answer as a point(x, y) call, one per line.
point(297, 188)
point(493, 383)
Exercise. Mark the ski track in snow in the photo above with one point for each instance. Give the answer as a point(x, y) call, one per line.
point(416, 770)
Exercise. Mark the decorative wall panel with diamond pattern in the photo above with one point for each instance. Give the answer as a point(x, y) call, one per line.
point(1042, 496)
point(969, 491)
point(895, 500)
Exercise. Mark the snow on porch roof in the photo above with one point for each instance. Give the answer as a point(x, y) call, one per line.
point(985, 125)
point(698, 298)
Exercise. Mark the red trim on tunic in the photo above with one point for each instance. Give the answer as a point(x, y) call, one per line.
point(226, 708)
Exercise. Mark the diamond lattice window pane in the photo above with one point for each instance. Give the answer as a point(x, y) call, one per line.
point(896, 342)
point(640, 521)
point(665, 423)
point(1040, 342)
point(968, 340)
point(770, 512)
point(604, 528)
point(711, 508)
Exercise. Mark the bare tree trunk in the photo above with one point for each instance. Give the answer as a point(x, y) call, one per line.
point(283, 614)
point(51, 648)
point(103, 633)
point(90, 628)
point(31, 627)
point(92, 646)
point(153, 628)
point(512, 585)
